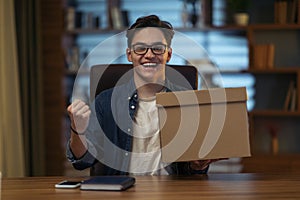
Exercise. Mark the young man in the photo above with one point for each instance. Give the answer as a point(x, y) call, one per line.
point(121, 134)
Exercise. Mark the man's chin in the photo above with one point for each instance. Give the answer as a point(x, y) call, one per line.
point(151, 78)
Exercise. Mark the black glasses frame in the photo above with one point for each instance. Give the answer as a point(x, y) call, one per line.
point(147, 47)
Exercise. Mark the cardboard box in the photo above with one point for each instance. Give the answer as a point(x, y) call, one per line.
point(203, 124)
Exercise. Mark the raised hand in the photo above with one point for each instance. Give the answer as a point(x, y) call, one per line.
point(79, 113)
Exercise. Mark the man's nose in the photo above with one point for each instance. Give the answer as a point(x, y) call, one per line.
point(149, 53)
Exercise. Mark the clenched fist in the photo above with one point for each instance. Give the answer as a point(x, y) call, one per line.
point(79, 113)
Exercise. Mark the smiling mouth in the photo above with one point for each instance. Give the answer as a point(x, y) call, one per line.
point(150, 64)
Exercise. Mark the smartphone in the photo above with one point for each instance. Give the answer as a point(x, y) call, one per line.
point(68, 184)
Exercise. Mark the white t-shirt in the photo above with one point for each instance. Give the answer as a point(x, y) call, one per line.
point(146, 152)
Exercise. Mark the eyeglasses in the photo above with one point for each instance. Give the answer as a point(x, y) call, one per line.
point(142, 49)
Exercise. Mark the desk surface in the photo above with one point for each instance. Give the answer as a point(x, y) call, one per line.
point(211, 186)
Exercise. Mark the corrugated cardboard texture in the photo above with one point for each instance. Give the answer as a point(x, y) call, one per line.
point(203, 124)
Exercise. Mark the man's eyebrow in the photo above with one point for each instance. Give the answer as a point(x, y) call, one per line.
point(139, 43)
point(154, 43)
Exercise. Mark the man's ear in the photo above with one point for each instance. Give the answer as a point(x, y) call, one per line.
point(169, 54)
point(128, 53)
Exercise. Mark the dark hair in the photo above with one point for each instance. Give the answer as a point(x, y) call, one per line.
point(150, 21)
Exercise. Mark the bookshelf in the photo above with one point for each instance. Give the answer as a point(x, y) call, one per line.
point(272, 79)
point(274, 121)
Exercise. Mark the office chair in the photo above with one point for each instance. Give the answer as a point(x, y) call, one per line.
point(104, 76)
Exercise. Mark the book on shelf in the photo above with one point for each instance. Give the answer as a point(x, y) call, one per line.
point(78, 19)
point(280, 12)
point(298, 11)
point(263, 56)
point(274, 140)
point(91, 21)
point(206, 13)
point(88, 20)
point(286, 11)
point(73, 59)
point(294, 100)
point(116, 18)
point(119, 18)
point(291, 97)
point(70, 18)
point(270, 56)
point(292, 11)
point(81, 20)
point(125, 18)
point(73, 19)
point(116, 183)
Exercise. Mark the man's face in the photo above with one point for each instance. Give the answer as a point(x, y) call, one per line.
point(149, 64)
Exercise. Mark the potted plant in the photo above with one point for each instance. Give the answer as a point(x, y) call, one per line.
point(239, 10)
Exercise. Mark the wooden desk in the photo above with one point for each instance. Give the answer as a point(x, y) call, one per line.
point(212, 186)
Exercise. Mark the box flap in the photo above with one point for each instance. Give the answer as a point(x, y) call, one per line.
point(192, 97)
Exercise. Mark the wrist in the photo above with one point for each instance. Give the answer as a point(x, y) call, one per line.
point(73, 130)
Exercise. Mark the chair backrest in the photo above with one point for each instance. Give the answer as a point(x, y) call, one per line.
point(106, 76)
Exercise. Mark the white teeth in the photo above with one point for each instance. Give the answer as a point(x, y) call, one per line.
point(149, 64)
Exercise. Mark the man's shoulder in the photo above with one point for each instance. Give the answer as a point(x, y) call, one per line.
point(119, 90)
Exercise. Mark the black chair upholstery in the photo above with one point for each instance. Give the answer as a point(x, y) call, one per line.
point(106, 76)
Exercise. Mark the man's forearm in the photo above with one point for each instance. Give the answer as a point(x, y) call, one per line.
point(78, 145)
